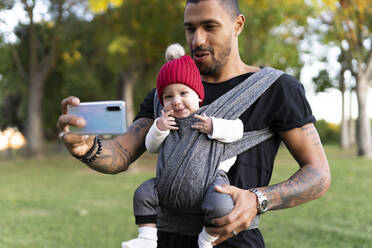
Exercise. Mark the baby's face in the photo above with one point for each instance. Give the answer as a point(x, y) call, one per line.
point(181, 99)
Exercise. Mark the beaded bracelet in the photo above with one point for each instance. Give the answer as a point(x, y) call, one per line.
point(85, 158)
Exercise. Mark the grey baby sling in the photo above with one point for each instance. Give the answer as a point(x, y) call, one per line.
point(188, 160)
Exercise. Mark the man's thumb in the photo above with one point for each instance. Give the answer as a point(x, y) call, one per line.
point(225, 189)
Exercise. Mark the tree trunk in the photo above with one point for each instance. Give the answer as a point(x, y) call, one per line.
point(41, 62)
point(351, 122)
point(364, 129)
point(128, 82)
point(34, 123)
point(344, 132)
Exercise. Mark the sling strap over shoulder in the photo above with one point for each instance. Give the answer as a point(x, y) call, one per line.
point(188, 160)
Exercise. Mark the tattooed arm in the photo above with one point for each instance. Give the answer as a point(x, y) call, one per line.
point(311, 180)
point(117, 154)
point(308, 183)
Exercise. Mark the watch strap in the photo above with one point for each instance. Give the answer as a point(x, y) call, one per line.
point(262, 202)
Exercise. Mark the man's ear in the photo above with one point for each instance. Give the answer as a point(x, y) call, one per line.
point(239, 24)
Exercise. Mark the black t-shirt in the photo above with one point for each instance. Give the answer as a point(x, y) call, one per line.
point(282, 107)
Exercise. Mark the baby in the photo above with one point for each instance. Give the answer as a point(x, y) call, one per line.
point(181, 93)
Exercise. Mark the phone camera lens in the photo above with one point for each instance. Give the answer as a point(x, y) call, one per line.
point(113, 108)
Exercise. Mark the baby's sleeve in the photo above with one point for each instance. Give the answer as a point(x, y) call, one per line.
point(155, 138)
point(226, 131)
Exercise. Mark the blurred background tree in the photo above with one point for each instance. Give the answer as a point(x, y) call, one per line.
point(347, 24)
point(113, 49)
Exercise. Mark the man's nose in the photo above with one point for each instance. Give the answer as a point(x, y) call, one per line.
point(199, 38)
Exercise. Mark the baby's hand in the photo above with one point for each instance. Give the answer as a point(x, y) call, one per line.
point(166, 121)
point(204, 125)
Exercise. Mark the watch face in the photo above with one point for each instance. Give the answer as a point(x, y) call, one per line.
point(264, 205)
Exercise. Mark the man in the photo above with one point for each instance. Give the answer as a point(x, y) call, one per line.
point(212, 28)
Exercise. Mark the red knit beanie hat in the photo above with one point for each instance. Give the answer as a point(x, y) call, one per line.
point(179, 69)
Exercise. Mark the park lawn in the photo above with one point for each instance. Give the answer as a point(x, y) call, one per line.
point(58, 202)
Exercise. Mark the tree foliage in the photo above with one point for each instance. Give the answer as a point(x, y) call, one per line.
point(124, 42)
point(328, 132)
point(272, 33)
point(347, 24)
point(6, 4)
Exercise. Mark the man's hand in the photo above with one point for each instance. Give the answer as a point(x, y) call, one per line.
point(166, 121)
point(76, 144)
point(240, 218)
point(204, 125)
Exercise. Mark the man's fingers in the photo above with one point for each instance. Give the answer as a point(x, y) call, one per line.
point(225, 189)
point(71, 100)
point(73, 120)
point(227, 223)
point(75, 139)
point(231, 217)
point(222, 238)
point(225, 230)
point(78, 144)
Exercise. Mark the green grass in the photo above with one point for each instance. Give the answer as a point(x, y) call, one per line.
point(341, 218)
point(58, 202)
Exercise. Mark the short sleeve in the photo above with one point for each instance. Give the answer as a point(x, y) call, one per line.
point(292, 108)
point(147, 107)
point(282, 107)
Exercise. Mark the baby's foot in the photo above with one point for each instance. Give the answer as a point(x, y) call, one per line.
point(205, 239)
point(140, 243)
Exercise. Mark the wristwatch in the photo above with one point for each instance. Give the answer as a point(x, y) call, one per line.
point(262, 202)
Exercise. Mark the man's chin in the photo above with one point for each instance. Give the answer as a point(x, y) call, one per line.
point(207, 71)
point(203, 68)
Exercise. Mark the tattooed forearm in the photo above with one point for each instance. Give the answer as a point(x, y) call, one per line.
point(117, 154)
point(124, 155)
point(313, 178)
point(305, 185)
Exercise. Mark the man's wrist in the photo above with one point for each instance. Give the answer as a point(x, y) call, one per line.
point(93, 152)
point(262, 202)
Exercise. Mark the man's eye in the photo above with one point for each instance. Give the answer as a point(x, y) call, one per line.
point(190, 29)
point(210, 27)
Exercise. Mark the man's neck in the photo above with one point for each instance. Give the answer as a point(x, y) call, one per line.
point(230, 70)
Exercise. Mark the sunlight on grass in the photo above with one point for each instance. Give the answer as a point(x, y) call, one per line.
point(59, 202)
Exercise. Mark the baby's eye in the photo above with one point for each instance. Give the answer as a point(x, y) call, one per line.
point(183, 93)
point(167, 96)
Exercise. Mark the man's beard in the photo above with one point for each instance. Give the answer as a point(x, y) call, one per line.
point(216, 64)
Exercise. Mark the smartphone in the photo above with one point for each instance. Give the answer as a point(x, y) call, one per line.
point(106, 117)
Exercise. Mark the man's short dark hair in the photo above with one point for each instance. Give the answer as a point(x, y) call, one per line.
point(232, 6)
